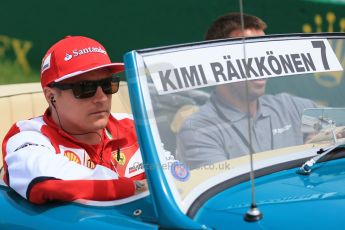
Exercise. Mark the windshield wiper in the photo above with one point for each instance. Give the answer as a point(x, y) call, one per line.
point(307, 167)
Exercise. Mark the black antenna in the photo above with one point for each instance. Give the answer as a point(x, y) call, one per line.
point(253, 214)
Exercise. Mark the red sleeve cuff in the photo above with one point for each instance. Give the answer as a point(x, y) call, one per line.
point(125, 187)
point(44, 190)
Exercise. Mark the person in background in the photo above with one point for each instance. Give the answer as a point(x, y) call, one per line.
point(77, 149)
point(219, 130)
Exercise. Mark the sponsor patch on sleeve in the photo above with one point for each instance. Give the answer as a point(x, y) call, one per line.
point(26, 145)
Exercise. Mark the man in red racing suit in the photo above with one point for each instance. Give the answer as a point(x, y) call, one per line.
point(77, 149)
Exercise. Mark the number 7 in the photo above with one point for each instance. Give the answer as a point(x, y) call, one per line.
point(321, 45)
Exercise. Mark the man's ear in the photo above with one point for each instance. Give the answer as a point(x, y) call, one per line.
point(49, 94)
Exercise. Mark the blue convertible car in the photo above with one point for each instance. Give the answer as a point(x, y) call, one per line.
point(210, 166)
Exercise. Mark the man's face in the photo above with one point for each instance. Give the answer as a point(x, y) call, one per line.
point(83, 115)
point(256, 88)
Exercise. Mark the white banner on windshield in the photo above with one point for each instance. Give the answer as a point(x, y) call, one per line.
point(186, 69)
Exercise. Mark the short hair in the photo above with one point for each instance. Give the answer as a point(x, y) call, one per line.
point(226, 24)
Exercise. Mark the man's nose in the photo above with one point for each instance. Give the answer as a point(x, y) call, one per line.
point(100, 95)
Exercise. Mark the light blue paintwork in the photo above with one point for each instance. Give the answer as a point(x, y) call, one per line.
point(17, 213)
point(286, 199)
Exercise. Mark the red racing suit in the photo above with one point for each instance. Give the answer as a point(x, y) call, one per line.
point(44, 163)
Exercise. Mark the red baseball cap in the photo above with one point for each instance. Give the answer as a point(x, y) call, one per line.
point(72, 56)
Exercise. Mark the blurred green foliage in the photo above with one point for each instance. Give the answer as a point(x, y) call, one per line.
point(11, 72)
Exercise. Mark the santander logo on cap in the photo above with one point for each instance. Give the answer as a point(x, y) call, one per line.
point(73, 56)
point(76, 52)
point(68, 57)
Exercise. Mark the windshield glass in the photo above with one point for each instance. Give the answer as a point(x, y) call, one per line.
point(206, 118)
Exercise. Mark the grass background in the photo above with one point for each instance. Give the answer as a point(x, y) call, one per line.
point(11, 72)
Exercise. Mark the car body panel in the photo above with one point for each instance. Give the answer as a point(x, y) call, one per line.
point(287, 200)
point(17, 212)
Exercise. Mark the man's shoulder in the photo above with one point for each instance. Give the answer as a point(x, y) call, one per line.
point(123, 120)
point(122, 116)
point(283, 99)
point(25, 129)
point(32, 124)
point(205, 115)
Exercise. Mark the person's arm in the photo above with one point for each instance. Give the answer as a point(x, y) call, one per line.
point(37, 173)
point(42, 190)
point(199, 145)
point(299, 105)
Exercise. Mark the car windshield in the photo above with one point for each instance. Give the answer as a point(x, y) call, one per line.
point(211, 104)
